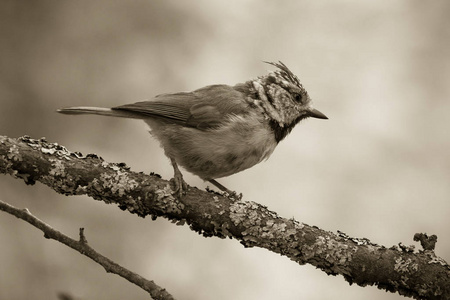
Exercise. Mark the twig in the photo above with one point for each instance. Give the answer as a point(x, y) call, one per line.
point(155, 291)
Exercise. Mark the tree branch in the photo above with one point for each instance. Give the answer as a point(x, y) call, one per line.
point(421, 275)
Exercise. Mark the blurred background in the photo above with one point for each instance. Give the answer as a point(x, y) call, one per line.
point(379, 168)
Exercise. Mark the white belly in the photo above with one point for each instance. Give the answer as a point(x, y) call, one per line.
point(235, 146)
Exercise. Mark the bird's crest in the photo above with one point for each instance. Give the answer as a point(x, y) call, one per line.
point(285, 73)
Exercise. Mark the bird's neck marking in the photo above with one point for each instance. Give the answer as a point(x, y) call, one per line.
point(269, 107)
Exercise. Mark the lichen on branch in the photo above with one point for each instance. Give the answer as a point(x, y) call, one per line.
point(419, 274)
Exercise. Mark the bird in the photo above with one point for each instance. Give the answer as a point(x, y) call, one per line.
point(219, 130)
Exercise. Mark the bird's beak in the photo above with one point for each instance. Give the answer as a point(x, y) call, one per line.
point(314, 113)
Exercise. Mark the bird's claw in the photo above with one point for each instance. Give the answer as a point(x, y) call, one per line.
point(181, 186)
point(232, 195)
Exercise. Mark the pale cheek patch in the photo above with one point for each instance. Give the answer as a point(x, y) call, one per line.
point(271, 112)
point(277, 103)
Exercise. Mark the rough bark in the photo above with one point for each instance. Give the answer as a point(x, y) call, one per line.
point(418, 274)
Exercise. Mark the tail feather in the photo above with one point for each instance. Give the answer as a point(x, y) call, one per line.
point(83, 110)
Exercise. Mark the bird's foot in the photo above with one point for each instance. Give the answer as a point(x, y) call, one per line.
point(232, 195)
point(180, 186)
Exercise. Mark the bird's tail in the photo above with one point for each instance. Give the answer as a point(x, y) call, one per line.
point(86, 110)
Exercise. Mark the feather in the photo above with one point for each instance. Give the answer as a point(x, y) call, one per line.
point(286, 73)
point(83, 110)
point(205, 108)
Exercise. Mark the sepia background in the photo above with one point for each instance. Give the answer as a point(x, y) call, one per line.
point(379, 168)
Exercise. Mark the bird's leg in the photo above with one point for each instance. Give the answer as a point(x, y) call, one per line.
point(221, 187)
point(231, 194)
point(180, 185)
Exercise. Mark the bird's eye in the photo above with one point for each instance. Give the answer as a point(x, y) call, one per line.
point(298, 98)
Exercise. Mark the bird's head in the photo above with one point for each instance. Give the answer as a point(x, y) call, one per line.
point(284, 100)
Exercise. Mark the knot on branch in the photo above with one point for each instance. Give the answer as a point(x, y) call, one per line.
point(83, 239)
point(427, 242)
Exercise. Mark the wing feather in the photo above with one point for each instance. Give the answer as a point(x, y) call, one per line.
point(204, 108)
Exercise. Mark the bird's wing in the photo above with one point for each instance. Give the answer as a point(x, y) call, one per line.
point(204, 108)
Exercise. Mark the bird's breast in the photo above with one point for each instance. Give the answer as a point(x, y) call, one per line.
point(237, 144)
